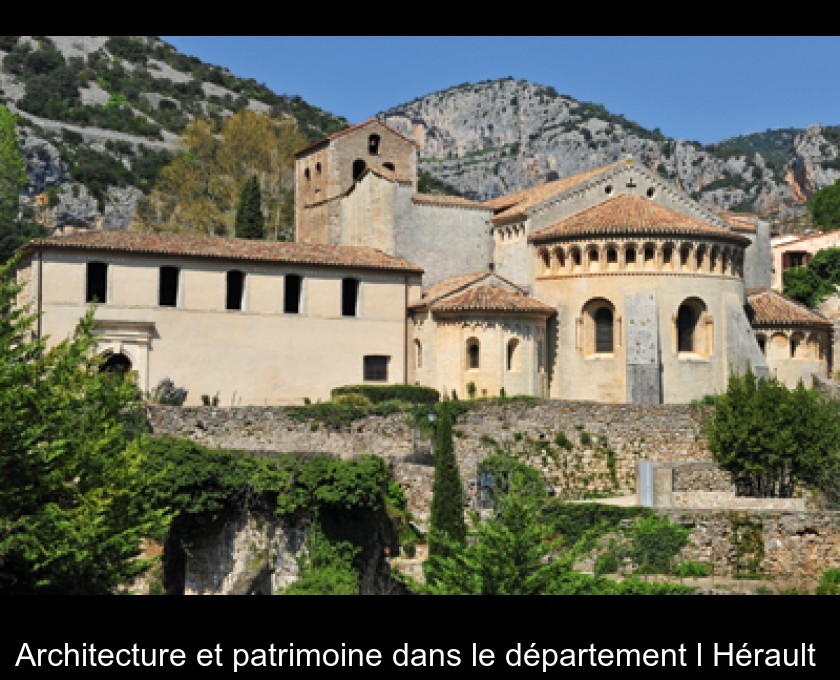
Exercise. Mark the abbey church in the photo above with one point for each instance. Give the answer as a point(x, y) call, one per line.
point(612, 285)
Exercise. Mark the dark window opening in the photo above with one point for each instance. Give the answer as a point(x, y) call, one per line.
point(168, 295)
point(115, 363)
point(612, 256)
point(318, 168)
point(794, 259)
point(630, 256)
point(603, 330)
point(97, 282)
point(686, 323)
point(306, 174)
point(291, 294)
point(359, 167)
point(576, 257)
point(389, 166)
point(762, 344)
point(650, 254)
point(376, 368)
point(667, 254)
point(235, 289)
point(473, 354)
point(349, 297)
point(373, 145)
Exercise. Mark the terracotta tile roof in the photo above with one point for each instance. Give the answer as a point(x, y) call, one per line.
point(341, 133)
point(457, 201)
point(767, 307)
point(515, 205)
point(625, 214)
point(739, 221)
point(216, 247)
point(489, 298)
point(833, 237)
point(447, 287)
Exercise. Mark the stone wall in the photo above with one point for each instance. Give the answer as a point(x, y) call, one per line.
point(787, 546)
point(829, 388)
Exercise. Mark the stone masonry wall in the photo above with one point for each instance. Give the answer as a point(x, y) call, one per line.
point(789, 546)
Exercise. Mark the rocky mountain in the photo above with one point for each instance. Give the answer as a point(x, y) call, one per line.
point(500, 136)
point(99, 115)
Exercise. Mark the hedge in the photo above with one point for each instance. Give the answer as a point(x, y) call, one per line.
point(377, 393)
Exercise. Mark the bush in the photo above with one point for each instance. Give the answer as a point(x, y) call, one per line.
point(352, 399)
point(693, 570)
point(655, 542)
point(377, 393)
point(829, 583)
point(167, 393)
point(563, 441)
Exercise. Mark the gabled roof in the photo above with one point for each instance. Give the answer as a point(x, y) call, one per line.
point(481, 291)
point(767, 307)
point(216, 247)
point(353, 128)
point(515, 205)
point(625, 214)
point(489, 298)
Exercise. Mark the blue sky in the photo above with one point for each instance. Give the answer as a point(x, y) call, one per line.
point(701, 88)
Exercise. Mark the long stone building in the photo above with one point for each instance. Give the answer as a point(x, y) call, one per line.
point(611, 285)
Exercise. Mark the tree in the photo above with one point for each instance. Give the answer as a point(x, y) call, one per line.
point(249, 217)
point(447, 527)
point(70, 462)
point(198, 192)
point(815, 282)
point(771, 437)
point(510, 554)
point(13, 231)
point(824, 207)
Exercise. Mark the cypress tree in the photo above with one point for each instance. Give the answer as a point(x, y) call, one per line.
point(249, 217)
point(447, 529)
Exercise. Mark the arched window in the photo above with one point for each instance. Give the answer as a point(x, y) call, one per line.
point(630, 255)
point(473, 353)
point(373, 145)
point(418, 354)
point(700, 257)
point(560, 256)
point(235, 293)
point(576, 257)
point(359, 167)
point(797, 346)
point(513, 355)
point(649, 254)
point(612, 255)
point(692, 327)
point(667, 255)
point(603, 318)
point(115, 363)
point(594, 257)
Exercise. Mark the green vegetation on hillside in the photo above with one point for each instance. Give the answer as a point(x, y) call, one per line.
point(824, 207)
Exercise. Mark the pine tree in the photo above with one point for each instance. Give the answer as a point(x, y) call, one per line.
point(446, 527)
point(250, 222)
point(71, 473)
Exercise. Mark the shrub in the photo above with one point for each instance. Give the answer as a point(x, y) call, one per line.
point(167, 393)
point(471, 389)
point(585, 438)
point(693, 570)
point(352, 399)
point(655, 542)
point(563, 441)
point(829, 583)
point(377, 393)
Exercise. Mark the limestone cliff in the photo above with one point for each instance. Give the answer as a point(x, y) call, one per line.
point(500, 136)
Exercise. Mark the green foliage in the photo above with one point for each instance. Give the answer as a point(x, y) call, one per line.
point(815, 282)
point(563, 441)
point(693, 569)
point(71, 468)
point(12, 170)
point(824, 207)
point(339, 415)
point(446, 525)
point(747, 544)
point(509, 473)
point(326, 568)
point(585, 438)
point(417, 394)
point(429, 184)
point(167, 393)
point(510, 554)
point(471, 389)
point(772, 437)
point(352, 399)
point(655, 542)
point(250, 221)
point(574, 522)
point(829, 583)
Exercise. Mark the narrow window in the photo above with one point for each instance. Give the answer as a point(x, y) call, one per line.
point(762, 344)
point(513, 355)
point(291, 293)
point(473, 353)
point(667, 255)
point(349, 297)
point(318, 168)
point(235, 289)
point(307, 174)
point(418, 353)
point(650, 255)
point(359, 167)
point(612, 255)
point(687, 318)
point(630, 255)
point(376, 368)
point(97, 282)
point(373, 145)
point(603, 330)
point(168, 291)
point(795, 344)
